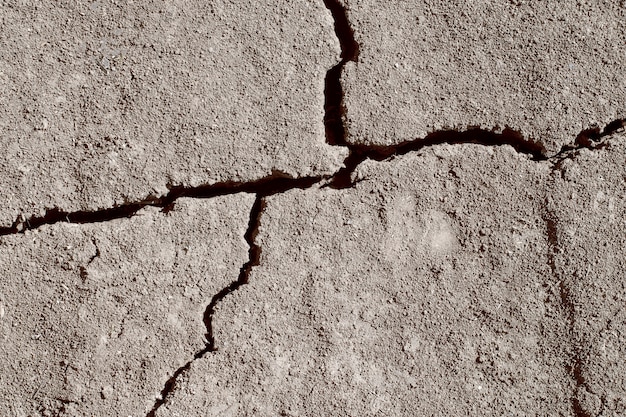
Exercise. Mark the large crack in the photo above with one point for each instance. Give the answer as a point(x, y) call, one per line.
point(275, 183)
point(278, 182)
point(254, 255)
point(334, 110)
point(334, 115)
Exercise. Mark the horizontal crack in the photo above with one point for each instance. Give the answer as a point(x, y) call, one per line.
point(279, 182)
point(336, 134)
point(589, 139)
point(342, 179)
point(359, 153)
point(273, 184)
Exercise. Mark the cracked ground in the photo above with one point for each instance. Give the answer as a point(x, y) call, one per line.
point(326, 207)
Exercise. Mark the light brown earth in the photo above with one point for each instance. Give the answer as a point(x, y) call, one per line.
point(226, 209)
point(589, 206)
point(454, 308)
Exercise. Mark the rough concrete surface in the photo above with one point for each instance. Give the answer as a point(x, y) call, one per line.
point(546, 69)
point(443, 313)
point(589, 209)
point(96, 318)
point(434, 286)
point(105, 103)
point(327, 207)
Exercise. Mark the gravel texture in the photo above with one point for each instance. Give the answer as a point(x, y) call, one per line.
point(95, 318)
point(547, 70)
point(329, 207)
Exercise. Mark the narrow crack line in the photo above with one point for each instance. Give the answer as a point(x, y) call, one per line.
point(273, 184)
point(359, 153)
point(254, 256)
point(169, 386)
point(278, 184)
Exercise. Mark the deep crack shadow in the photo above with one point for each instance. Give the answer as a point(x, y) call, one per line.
point(170, 384)
point(588, 138)
point(279, 182)
point(254, 256)
point(334, 118)
point(359, 153)
point(334, 110)
point(273, 184)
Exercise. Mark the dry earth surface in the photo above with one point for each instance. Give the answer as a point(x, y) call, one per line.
point(325, 207)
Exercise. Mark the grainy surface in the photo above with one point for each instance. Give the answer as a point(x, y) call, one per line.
point(95, 318)
point(589, 213)
point(435, 286)
point(547, 69)
point(105, 102)
point(424, 290)
point(179, 236)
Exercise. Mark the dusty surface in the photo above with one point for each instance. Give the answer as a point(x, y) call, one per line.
point(96, 318)
point(435, 286)
point(415, 298)
point(545, 69)
point(105, 103)
point(179, 236)
point(589, 218)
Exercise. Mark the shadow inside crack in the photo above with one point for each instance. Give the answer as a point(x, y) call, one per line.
point(254, 256)
point(359, 153)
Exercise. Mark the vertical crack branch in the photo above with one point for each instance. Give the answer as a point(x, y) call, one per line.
point(334, 109)
point(254, 256)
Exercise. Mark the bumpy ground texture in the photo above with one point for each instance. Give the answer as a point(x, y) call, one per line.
point(326, 207)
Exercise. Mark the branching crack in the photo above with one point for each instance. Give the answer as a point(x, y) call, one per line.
point(277, 182)
point(359, 153)
point(273, 184)
point(254, 257)
point(335, 117)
